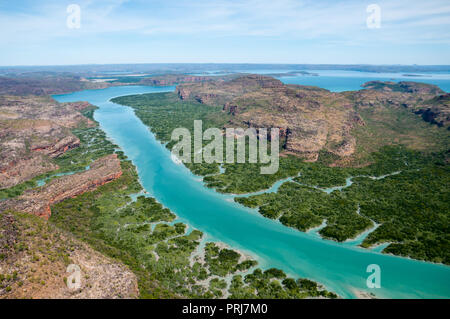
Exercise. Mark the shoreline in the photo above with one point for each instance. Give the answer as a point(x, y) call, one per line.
point(284, 225)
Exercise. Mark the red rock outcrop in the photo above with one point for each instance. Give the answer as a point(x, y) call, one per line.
point(22, 169)
point(58, 148)
point(32, 131)
point(38, 201)
point(310, 119)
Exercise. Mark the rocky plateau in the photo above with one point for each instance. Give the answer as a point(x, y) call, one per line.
point(311, 119)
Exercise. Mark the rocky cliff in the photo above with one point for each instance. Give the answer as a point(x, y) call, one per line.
point(32, 131)
point(425, 100)
point(311, 119)
point(38, 201)
point(436, 110)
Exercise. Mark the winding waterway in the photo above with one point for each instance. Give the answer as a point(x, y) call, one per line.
point(341, 267)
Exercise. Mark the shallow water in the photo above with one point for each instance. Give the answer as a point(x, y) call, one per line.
point(340, 267)
point(43, 181)
point(338, 81)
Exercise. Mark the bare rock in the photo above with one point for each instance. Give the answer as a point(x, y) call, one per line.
point(38, 201)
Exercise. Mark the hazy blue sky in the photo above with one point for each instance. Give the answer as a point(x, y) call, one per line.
point(254, 31)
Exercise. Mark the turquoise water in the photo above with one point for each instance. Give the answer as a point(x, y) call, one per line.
point(338, 81)
point(44, 181)
point(340, 267)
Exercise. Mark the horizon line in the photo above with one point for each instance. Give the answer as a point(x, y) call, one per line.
point(220, 63)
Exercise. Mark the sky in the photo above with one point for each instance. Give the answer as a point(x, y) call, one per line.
point(224, 31)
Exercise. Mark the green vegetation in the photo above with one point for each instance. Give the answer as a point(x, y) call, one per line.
point(168, 261)
point(222, 262)
point(137, 233)
point(28, 248)
point(93, 145)
point(19, 188)
point(273, 283)
point(246, 177)
point(412, 206)
point(164, 112)
point(396, 126)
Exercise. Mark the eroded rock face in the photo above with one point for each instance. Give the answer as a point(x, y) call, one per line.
point(59, 148)
point(425, 100)
point(311, 119)
point(221, 92)
point(38, 201)
point(43, 108)
point(19, 170)
point(436, 110)
point(32, 131)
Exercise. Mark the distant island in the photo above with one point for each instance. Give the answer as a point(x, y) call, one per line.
point(198, 68)
point(414, 75)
